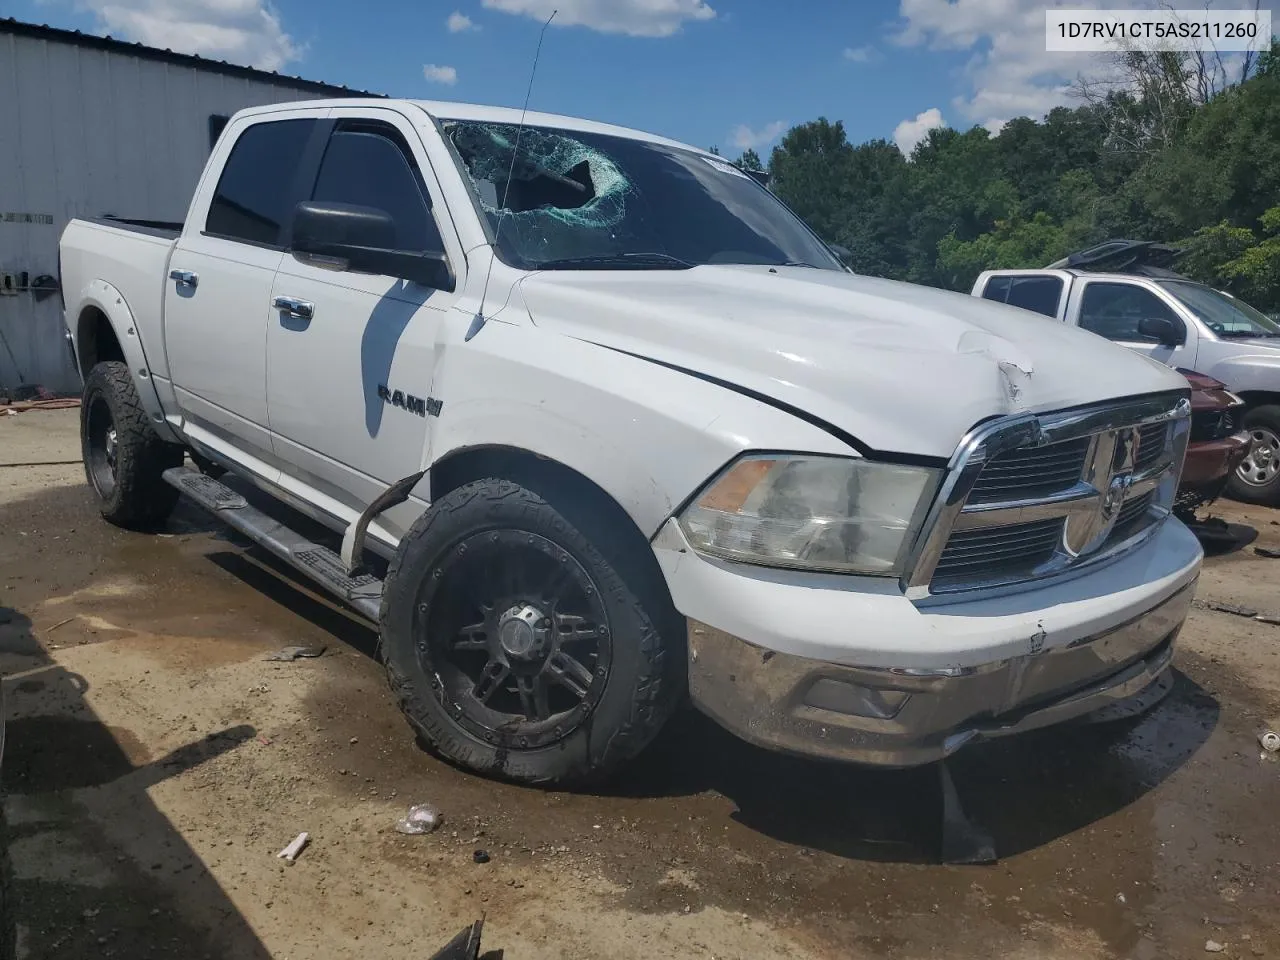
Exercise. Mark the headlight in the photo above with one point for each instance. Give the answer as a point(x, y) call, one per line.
point(812, 512)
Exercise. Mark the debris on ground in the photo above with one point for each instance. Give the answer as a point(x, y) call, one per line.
point(480, 856)
point(1231, 608)
point(421, 818)
point(289, 654)
point(1270, 741)
point(290, 853)
point(1267, 552)
point(1213, 946)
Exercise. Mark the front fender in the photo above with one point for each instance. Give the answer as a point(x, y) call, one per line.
point(1249, 372)
point(646, 435)
point(102, 296)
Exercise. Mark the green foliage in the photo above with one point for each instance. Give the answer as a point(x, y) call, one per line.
point(1162, 161)
point(750, 160)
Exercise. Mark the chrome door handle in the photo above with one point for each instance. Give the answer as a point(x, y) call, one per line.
point(293, 307)
point(185, 277)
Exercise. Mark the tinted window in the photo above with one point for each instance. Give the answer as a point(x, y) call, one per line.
point(1031, 293)
point(1036, 293)
point(1114, 310)
point(372, 170)
point(256, 194)
point(997, 289)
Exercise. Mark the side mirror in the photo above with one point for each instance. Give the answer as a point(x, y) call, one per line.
point(1163, 331)
point(844, 254)
point(364, 239)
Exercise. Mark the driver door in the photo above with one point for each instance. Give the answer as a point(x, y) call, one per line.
point(342, 346)
point(1114, 308)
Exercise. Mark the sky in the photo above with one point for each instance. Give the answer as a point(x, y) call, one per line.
point(726, 73)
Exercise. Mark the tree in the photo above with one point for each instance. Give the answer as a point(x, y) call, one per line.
point(750, 160)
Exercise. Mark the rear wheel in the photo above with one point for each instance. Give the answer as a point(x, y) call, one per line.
point(1257, 479)
point(522, 649)
point(123, 456)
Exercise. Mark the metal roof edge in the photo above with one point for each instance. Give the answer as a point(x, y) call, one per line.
point(21, 28)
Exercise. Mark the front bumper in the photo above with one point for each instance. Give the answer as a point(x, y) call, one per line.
point(1210, 463)
point(899, 718)
point(834, 667)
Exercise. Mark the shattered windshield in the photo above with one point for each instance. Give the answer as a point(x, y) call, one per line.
point(1225, 316)
point(590, 201)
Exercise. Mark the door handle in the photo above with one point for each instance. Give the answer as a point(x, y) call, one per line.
point(293, 307)
point(185, 277)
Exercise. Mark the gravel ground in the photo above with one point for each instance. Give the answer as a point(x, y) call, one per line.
point(155, 765)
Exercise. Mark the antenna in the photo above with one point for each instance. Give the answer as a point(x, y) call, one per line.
point(478, 320)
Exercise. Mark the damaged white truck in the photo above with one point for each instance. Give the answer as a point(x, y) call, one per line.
point(600, 425)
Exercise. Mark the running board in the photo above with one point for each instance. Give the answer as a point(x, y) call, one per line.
point(321, 564)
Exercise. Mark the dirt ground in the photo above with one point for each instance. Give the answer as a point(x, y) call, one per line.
point(156, 763)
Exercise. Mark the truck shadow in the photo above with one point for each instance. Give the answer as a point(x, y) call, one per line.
point(1027, 790)
point(91, 866)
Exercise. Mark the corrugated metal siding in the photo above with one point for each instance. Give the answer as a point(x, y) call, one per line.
point(89, 133)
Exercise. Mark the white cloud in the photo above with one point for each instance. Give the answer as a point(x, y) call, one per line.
point(744, 138)
point(459, 22)
point(910, 132)
point(1010, 74)
point(863, 54)
point(438, 74)
point(639, 18)
point(246, 32)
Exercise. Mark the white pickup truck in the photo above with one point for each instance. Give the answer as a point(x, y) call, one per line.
point(600, 424)
point(1124, 290)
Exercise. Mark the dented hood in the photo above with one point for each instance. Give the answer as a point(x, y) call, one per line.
point(901, 367)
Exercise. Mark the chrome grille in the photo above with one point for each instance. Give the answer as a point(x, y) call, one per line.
point(998, 550)
point(1151, 443)
point(1027, 474)
point(1031, 496)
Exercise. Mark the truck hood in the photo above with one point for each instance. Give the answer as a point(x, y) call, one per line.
point(902, 368)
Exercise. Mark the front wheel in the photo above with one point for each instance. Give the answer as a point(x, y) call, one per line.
point(1257, 479)
point(516, 645)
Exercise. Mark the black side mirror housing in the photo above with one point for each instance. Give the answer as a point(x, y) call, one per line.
point(1164, 331)
point(364, 239)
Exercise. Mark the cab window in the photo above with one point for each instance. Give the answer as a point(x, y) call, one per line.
point(1114, 310)
point(1039, 294)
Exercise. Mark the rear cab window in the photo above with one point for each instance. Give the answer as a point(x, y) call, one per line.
point(259, 185)
point(1040, 294)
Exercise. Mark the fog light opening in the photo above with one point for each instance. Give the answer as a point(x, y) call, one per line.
point(855, 700)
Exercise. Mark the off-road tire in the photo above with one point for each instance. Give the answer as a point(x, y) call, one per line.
point(647, 672)
point(138, 498)
point(1267, 417)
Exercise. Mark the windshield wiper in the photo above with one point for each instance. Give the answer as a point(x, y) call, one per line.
point(1248, 334)
point(617, 261)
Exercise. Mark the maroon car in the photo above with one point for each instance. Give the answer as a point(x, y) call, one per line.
point(1217, 445)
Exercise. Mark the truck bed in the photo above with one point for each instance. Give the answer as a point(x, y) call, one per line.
point(166, 229)
point(120, 267)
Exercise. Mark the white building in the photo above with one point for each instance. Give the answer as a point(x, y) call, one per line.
point(97, 127)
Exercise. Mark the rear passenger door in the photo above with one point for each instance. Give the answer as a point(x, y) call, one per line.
point(1114, 308)
point(218, 292)
point(347, 388)
point(1041, 293)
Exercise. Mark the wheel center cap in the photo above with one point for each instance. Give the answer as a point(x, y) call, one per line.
point(521, 632)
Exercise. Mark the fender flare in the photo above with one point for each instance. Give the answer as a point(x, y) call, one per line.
point(105, 298)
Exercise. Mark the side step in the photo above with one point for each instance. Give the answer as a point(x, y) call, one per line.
point(321, 564)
